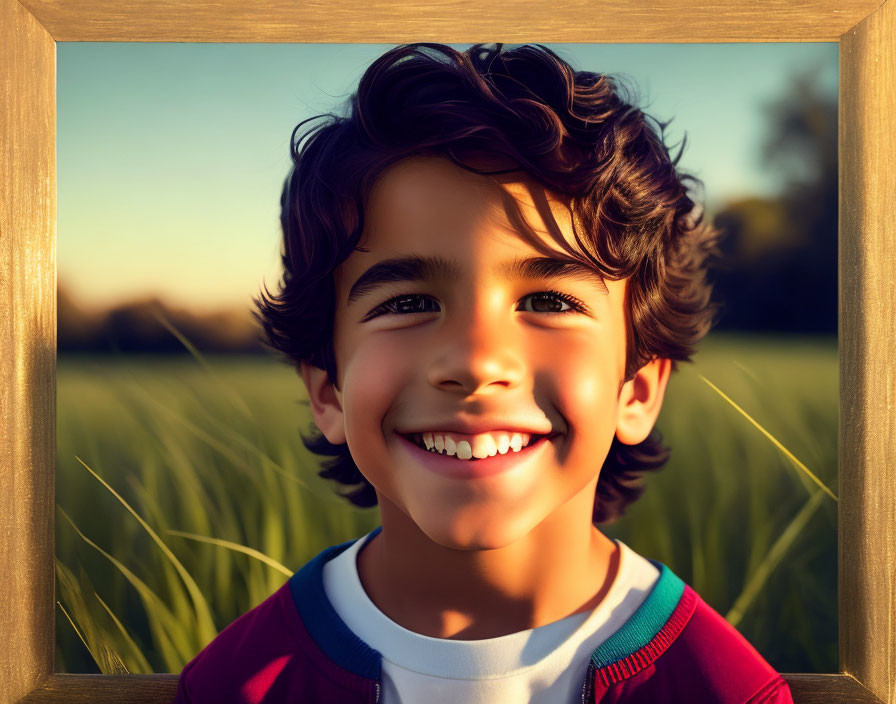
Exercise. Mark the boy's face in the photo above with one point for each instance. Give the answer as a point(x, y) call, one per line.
point(478, 346)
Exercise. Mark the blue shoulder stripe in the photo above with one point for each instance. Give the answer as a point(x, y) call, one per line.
point(329, 631)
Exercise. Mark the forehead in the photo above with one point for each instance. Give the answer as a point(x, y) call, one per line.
point(430, 207)
point(436, 192)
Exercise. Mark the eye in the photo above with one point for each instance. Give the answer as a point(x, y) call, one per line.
point(416, 303)
point(400, 305)
point(553, 297)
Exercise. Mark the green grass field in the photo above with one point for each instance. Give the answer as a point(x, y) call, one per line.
point(213, 450)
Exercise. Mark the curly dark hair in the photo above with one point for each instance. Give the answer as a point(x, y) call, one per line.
point(578, 133)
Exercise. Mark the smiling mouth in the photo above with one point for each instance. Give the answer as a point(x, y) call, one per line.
point(417, 439)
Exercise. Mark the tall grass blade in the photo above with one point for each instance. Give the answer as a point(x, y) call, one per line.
point(161, 620)
point(77, 631)
point(251, 552)
point(787, 453)
point(235, 398)
point(757, 580)
point(143, 666)
point(204, 620)
point(71, 593)
point(227, 452)
point(99, 642)
point(749, 372)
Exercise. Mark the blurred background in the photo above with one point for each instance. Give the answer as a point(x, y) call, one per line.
point(185, 496)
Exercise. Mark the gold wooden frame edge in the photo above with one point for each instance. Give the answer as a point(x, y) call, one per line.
point(137, 689)
point(866, 31)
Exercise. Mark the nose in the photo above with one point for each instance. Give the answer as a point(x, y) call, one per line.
point(477, 351)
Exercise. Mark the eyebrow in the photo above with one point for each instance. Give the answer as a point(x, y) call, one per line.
point(421, 268)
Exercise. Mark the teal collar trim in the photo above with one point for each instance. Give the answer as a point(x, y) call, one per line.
point(645, 623)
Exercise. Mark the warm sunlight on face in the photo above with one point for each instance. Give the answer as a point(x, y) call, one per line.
point(472, 344)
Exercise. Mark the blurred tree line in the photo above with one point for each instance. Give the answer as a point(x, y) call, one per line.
point(779, 272)
point(138, 326)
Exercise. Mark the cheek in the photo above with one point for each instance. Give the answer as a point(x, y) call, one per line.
point(587, 385)
point(374, 376)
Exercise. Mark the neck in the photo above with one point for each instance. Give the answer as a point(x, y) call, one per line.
point(563, 566)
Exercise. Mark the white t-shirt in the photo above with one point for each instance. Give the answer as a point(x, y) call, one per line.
point(543, 665)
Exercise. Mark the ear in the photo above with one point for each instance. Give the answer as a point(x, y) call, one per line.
point(640, 401)
point(326, 403)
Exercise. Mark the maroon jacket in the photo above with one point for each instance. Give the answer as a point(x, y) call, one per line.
point(293, 647)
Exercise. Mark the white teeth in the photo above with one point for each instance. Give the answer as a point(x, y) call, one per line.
point(484, 445)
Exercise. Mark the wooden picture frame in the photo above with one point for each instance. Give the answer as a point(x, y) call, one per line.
point(29, 30)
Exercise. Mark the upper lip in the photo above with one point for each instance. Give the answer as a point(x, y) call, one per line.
point(477, 427)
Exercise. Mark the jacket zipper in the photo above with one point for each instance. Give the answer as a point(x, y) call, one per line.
point(588, 685)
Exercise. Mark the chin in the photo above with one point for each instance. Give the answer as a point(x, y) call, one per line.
point(468, 532)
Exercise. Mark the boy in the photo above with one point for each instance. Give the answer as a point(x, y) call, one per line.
point(491, 269)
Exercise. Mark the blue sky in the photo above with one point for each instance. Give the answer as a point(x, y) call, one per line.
point(171, 156)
